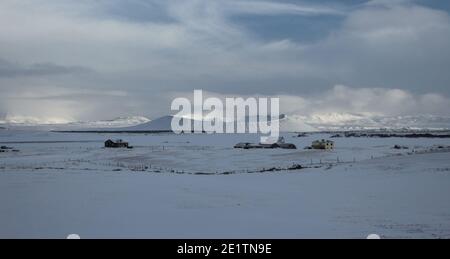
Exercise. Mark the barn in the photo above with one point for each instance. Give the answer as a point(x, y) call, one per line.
point(116, 144)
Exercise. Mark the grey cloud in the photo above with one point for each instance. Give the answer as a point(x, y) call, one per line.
point(402, 46)
point(9, 69)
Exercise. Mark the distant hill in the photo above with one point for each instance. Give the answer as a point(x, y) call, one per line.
point(348, 121)
point(160, 124)
point(119, 122)
point(295, 124)
point(287, 124)
point(332, 121)
point(36, 123)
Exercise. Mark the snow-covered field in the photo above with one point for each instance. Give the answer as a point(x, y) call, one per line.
point(198, 186)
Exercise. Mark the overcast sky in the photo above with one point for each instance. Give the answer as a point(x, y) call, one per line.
point(64, 60)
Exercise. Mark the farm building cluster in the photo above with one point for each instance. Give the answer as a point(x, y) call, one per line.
point(4, 149)
point(268, 143)
point(280, 143)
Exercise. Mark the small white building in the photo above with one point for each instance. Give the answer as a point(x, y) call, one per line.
point(272, 140)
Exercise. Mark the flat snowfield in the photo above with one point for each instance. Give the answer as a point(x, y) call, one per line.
point(198, 186)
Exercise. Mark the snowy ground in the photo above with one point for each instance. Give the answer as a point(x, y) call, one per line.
point(59, 184)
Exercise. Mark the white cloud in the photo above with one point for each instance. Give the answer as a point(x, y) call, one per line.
point(343, 99)
point(366, 101)
point(383, 3)
point(275, 8)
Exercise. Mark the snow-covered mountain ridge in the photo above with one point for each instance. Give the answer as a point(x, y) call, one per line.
point(288, 123)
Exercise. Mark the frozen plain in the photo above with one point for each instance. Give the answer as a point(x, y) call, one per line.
point(198, 186)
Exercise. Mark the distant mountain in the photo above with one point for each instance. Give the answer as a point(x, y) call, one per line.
point(287, 124)
point(35, 124)
point(295, 124)
point(160, 124)
point(31, 121)
point(115, 123)
point(345, 121)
